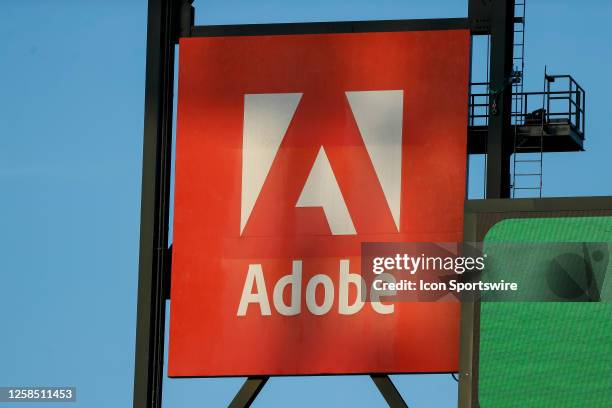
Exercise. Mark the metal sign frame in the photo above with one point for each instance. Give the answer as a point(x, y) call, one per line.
point(170, 19)
point(474, 232)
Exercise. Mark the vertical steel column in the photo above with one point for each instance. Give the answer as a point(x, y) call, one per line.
point(500, 108)
point(470, 335)
point(156, 159)
point(495, 17)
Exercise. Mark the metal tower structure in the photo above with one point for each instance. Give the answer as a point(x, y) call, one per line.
point(551, 120)
point(556, 126)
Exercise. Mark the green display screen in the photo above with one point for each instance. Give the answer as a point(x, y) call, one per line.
point(547, 354)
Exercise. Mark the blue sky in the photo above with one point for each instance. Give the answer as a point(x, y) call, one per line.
point(71, 115)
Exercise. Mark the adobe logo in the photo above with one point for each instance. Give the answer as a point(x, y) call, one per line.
point(267, 117)
point(378, 116)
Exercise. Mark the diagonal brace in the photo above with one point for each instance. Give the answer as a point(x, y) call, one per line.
point(248, 392)
point(388, 391)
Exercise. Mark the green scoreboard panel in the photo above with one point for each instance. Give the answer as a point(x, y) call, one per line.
point(541, 354)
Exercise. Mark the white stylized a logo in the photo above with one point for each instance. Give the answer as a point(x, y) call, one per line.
point(378, 115)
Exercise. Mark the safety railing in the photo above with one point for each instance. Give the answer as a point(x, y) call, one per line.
point(563, 102)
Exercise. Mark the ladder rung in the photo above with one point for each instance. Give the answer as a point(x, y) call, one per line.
point(527, 188)
point(527, 161)
point(529, 150)
point(527, 174)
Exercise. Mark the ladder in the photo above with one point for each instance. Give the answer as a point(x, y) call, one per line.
point(526, 166)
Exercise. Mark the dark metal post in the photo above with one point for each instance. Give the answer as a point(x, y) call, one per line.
point(156, 159)
point(470, 334)
point(500, 137)
point(496, 18)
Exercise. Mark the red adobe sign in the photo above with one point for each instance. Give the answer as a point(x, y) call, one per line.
point(291, 151)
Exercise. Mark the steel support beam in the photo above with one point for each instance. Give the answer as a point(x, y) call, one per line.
point(331, 27)
point(470, 334)
point(496, 18)
point(152, 285)
point(499, 141)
